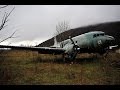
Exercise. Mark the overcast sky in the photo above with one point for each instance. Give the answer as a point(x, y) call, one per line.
point(37, 23)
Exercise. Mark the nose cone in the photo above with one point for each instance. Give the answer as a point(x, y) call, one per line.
point(110, 40)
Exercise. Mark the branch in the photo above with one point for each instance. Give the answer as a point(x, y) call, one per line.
point(3, 6)
point(62, 27)
point(5, 19)
point(11, 36)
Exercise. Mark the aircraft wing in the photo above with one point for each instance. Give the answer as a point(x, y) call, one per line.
point(43, 50)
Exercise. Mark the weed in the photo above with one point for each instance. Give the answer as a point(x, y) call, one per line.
point(31, 68)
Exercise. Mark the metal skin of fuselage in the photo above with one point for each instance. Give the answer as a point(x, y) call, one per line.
point(90, 42)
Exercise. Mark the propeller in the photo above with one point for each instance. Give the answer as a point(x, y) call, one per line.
point(76, 49)
point(71, 40)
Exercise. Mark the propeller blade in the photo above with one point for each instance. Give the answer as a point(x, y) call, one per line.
point(76, 49)
point(74, 54)
point(72, 40)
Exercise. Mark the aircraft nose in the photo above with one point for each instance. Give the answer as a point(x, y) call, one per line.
point(110, 40)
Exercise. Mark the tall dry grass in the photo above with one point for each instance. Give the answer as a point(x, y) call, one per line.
point(27, 67)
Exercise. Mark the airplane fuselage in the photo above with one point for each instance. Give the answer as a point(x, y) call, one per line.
point(91, 41)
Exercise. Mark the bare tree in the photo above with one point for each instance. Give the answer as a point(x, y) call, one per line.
point(3, 6)
point(4, 22)
point(11, 36)
point(62, 27)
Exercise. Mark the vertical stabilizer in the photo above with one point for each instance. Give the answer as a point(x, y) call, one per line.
point(56, 44)
point(55, 41)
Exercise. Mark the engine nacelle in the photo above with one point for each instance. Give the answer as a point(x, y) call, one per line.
point(68, 48)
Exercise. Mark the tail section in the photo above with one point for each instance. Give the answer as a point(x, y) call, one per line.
point(56, 44)
point(55, 41)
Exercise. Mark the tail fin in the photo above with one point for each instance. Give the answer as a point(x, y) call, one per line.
point(55, 41)
point(56, 44)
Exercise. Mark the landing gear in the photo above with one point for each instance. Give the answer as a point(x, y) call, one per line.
point(67, 57)
point(102, 51)
point(63, 57)
point(71, 58)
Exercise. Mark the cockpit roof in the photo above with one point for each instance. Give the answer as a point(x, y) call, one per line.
point(96, 32)
point(93, 33)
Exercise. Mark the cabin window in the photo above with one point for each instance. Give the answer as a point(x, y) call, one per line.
point(97, 34)
point(94, 35)
point(76, 41)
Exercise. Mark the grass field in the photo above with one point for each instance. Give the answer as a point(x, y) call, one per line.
point(31, 68)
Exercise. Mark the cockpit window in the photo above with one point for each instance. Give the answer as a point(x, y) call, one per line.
point(96, 35)
point(102, 34)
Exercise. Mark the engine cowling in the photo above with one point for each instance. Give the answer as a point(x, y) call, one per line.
point(70, 49)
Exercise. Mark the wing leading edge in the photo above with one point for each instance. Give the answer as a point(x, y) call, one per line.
point(43, 50)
